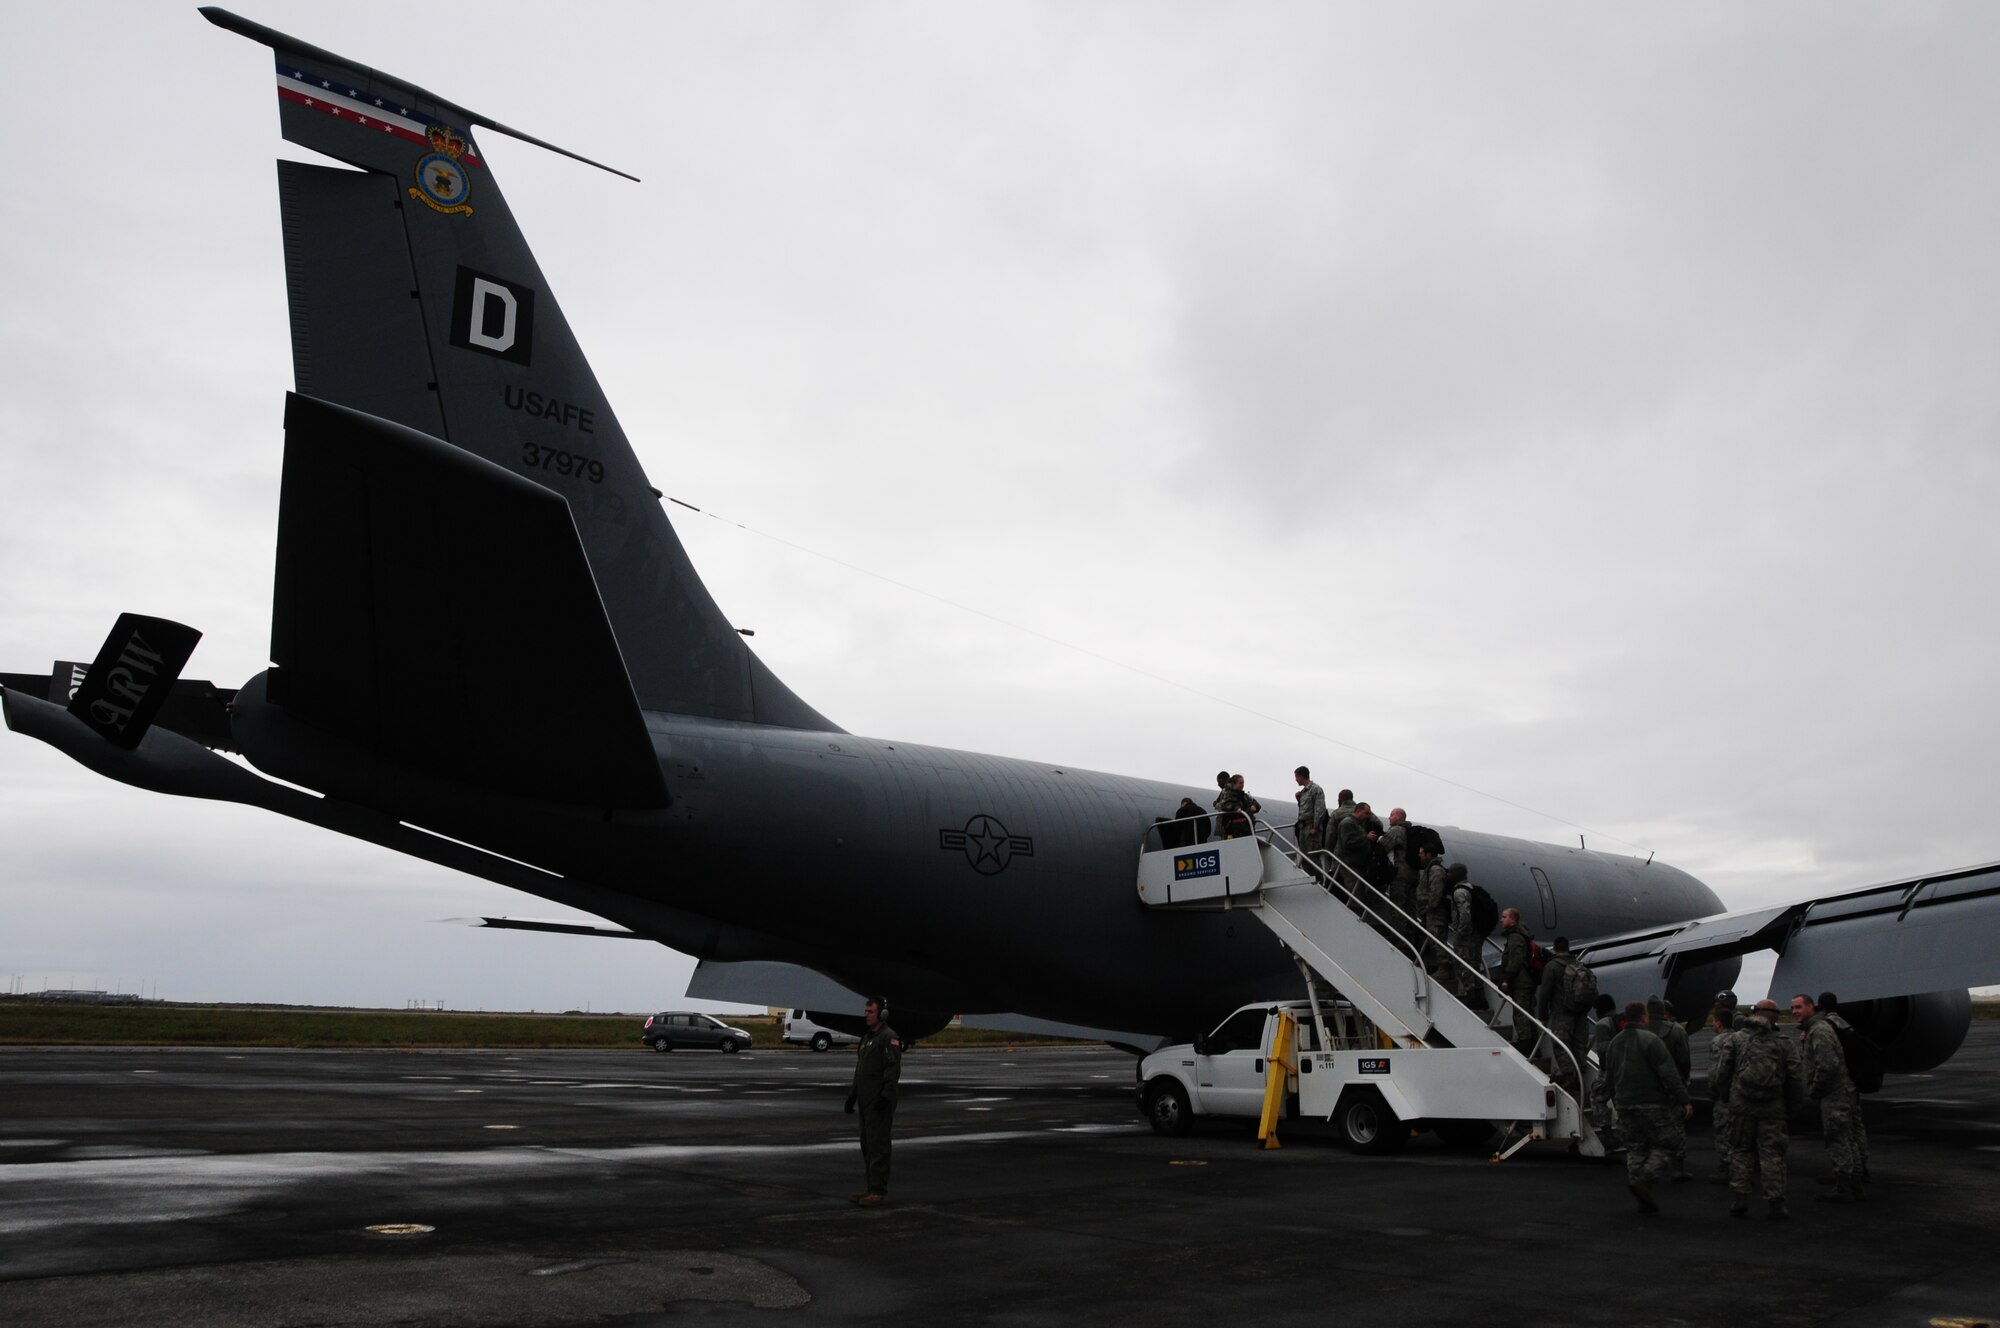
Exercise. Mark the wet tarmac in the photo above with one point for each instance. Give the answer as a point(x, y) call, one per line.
point(220, 1187)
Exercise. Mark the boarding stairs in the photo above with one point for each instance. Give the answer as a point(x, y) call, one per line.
point(1360, 943)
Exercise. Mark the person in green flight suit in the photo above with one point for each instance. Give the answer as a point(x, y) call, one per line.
point(878, 1065)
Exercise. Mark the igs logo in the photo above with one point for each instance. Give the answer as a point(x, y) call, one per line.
point(1187, 866)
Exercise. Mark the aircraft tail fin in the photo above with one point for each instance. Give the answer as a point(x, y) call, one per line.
point(437, 610)
point(415, 299)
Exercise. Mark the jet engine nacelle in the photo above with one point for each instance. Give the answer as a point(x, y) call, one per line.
point(1914, 1032)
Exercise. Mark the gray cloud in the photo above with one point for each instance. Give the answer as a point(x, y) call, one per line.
point(1589, 406)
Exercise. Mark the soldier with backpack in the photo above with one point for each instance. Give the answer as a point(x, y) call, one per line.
point(1433, 907)
point(1722, 1020)
point(1660, 1019)
point(1567, 992)
point(1466, 936)
point(1652, 1102)
point(1763, 1079)
point(1826, 1038)
point(1605, 1025)
point(1518, 979)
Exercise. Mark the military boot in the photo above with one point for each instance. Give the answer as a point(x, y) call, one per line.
point(1739, 1206)
point(1778, 1211)
point(1644, 1194)
point(1845, 1191)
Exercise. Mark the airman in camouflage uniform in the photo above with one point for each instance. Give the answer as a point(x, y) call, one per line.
point(1233, 806)
point(1433, 905)
point(1597, 1097)
point(1829, 1084)
point(1726, 1036)
point(1652, 1103)
point(1352, 836)
point(1764, 1079)
point(1571, 1027)
point(1660, 1019)
point(878, 1066)
point(1465, 942)
point(1309, 831)
point(1518, 979)
point(1396, 846)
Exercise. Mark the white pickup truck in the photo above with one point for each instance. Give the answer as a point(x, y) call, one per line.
point(1373, 1092)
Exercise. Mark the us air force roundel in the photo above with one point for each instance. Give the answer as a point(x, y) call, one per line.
point(987, 845)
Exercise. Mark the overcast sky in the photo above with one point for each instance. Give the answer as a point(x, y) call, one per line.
point(1549, 418)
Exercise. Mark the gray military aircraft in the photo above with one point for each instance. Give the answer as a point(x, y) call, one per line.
point(489, 650)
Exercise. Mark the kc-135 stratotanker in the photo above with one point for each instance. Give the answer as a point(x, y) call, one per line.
point(489, 650)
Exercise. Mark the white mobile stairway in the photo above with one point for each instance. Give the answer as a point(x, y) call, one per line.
point(1458, 1065)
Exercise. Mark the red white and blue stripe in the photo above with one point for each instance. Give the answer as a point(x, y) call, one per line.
point(367, 110)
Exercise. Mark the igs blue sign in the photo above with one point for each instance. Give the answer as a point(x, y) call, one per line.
point(1187, 866)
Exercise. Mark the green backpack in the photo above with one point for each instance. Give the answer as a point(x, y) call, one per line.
point(1579, 989)
point(1760, 1069)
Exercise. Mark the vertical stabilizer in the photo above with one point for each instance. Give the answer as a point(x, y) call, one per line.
point(414, 298)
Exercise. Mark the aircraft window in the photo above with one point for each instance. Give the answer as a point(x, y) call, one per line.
point(1548, 893)
point(1242, 1031)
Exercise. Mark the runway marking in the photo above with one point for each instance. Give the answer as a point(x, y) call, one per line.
point(94, 1152)
point(430, 1078)
point(32, 1143)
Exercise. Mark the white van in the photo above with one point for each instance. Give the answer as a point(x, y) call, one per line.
point(801, 1030)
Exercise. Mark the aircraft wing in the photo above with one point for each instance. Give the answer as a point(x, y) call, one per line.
point(1923, 934)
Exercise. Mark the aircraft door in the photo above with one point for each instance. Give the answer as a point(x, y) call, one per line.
point(1231, 1068)
point(1548, 894)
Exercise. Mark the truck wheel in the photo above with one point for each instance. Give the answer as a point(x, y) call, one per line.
point(1167, 1109)
point(821, 1042)
point(1367, 1124)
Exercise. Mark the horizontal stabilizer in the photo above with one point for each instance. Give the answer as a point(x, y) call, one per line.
point(194, 708)
point(437, 610)
point(373, 82)
point(134, 673)
point(553, 925)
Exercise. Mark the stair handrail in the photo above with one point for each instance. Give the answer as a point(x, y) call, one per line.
point(1271, 836)
point(1354, 900)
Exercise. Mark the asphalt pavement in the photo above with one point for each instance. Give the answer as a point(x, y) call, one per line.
point(223, 1187)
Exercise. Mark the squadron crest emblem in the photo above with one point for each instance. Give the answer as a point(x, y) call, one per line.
point(442, 183)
